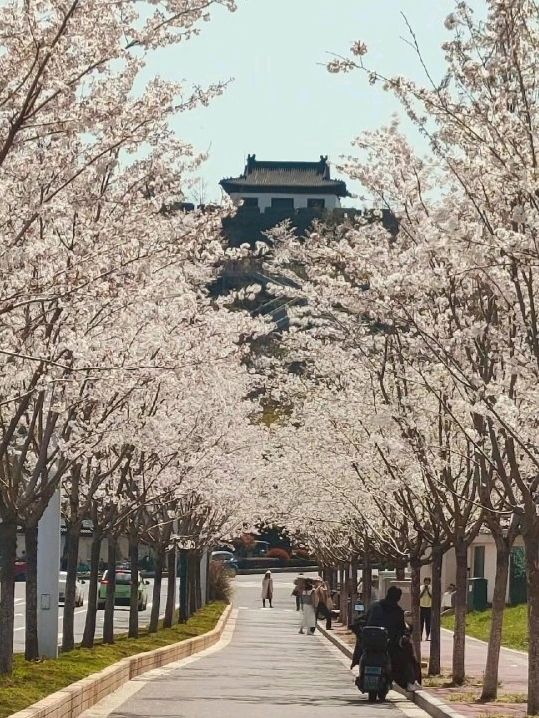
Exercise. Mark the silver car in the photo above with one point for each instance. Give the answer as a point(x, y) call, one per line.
point(79, 592)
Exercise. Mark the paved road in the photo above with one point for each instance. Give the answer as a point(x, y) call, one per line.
point(266, 670)
point(121, 617)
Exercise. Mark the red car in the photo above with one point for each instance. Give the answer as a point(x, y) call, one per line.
point(20, 570)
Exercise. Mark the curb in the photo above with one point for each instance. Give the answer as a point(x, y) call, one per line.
point(422, 699)
point(71, 701)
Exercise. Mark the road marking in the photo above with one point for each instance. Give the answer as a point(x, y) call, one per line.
point(111, 703)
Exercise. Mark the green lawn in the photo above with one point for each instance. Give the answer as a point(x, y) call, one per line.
point(32, 681)
point(515, 631)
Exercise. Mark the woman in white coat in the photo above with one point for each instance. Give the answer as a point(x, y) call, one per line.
point(267, 589)
point(309, 600)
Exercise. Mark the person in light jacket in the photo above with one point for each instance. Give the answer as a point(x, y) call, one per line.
point(267, 589)
point(309, 602)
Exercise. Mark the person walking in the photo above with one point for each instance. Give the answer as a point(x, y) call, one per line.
point(309, 602)
point(325, 602)
point(425, 608)
point(267, 589)
point(298, 589)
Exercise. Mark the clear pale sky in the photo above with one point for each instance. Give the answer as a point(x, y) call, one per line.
point(282, 103)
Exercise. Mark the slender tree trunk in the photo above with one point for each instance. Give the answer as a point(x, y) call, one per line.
point(72, 557)
point(531, 542)
point(31, 645)
point(435, 629)
point(156, 600)
point(8, 554)
point(171, 589)
point(195, 562)
point(108, 621)
point(91, 612)
point(133, 598)
point(490, 678)
point(415, 590)
point(366, 582)
point(184, 586)
point(461, 607)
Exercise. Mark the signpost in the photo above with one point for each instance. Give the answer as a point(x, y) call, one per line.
point(48, 566)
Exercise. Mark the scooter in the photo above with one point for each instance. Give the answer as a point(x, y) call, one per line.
point(375, 666)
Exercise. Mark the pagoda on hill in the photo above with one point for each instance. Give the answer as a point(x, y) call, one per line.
point(286, 186)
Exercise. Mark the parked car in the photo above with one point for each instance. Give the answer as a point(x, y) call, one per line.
point(122, 593)
point(227, 559)
point(20, 570)
point(79, 592)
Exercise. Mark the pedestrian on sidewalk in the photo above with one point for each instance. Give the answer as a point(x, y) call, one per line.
point(325, 602)
point(425, 608)
point(448, 599)
point(309, 602)
point(267, 589)
point(299, 583)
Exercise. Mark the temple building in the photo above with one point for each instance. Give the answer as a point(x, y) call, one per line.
point(286, 186)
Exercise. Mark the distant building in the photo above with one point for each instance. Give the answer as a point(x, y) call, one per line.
point(286, 185)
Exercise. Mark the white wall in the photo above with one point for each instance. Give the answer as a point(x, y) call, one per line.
point(300, 200)
point(449, 567)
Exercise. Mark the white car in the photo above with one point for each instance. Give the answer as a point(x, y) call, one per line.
point(79, 593)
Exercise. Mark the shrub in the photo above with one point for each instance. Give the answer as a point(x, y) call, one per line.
point(279, 553)
point(220, 583)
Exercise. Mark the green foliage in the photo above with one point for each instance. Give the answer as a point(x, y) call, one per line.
point(30, 682)
point(515, 626)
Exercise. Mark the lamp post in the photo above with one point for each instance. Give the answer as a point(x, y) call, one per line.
point(48, 566)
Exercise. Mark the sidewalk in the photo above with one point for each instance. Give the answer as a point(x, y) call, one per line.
point(262, 668)
point(512, 675)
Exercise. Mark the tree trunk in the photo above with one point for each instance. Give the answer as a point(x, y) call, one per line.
point(531, 542)
point(108, 621)
point(195, 583)
point(133, 598)
point(72, 558)
point(198, 582)
point(366, 583)
point(415, 590)
point(156, 599)
point(461, 607)
point(171, 589)
point(400, 573)
point(8, 554)
point(91, 612)
point(184, 593)
point(435, 637)
point(490, 678)
point(31, 645)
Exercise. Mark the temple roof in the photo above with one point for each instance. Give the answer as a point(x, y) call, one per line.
point(285, 177)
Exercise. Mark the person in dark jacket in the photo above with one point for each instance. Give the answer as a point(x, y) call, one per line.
point(389, 615)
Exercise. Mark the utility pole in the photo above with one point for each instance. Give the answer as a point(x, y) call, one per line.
point(48, 567)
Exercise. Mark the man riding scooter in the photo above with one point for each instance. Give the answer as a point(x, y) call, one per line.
point(387, 614)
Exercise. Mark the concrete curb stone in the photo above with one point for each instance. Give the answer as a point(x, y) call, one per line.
point(423, 699)
point(71, 701)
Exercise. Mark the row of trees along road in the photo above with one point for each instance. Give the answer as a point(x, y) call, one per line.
point(121, 382)
point(412, 363)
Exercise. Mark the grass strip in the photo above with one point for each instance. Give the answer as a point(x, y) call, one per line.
point(30, 682)
point(515, 626)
